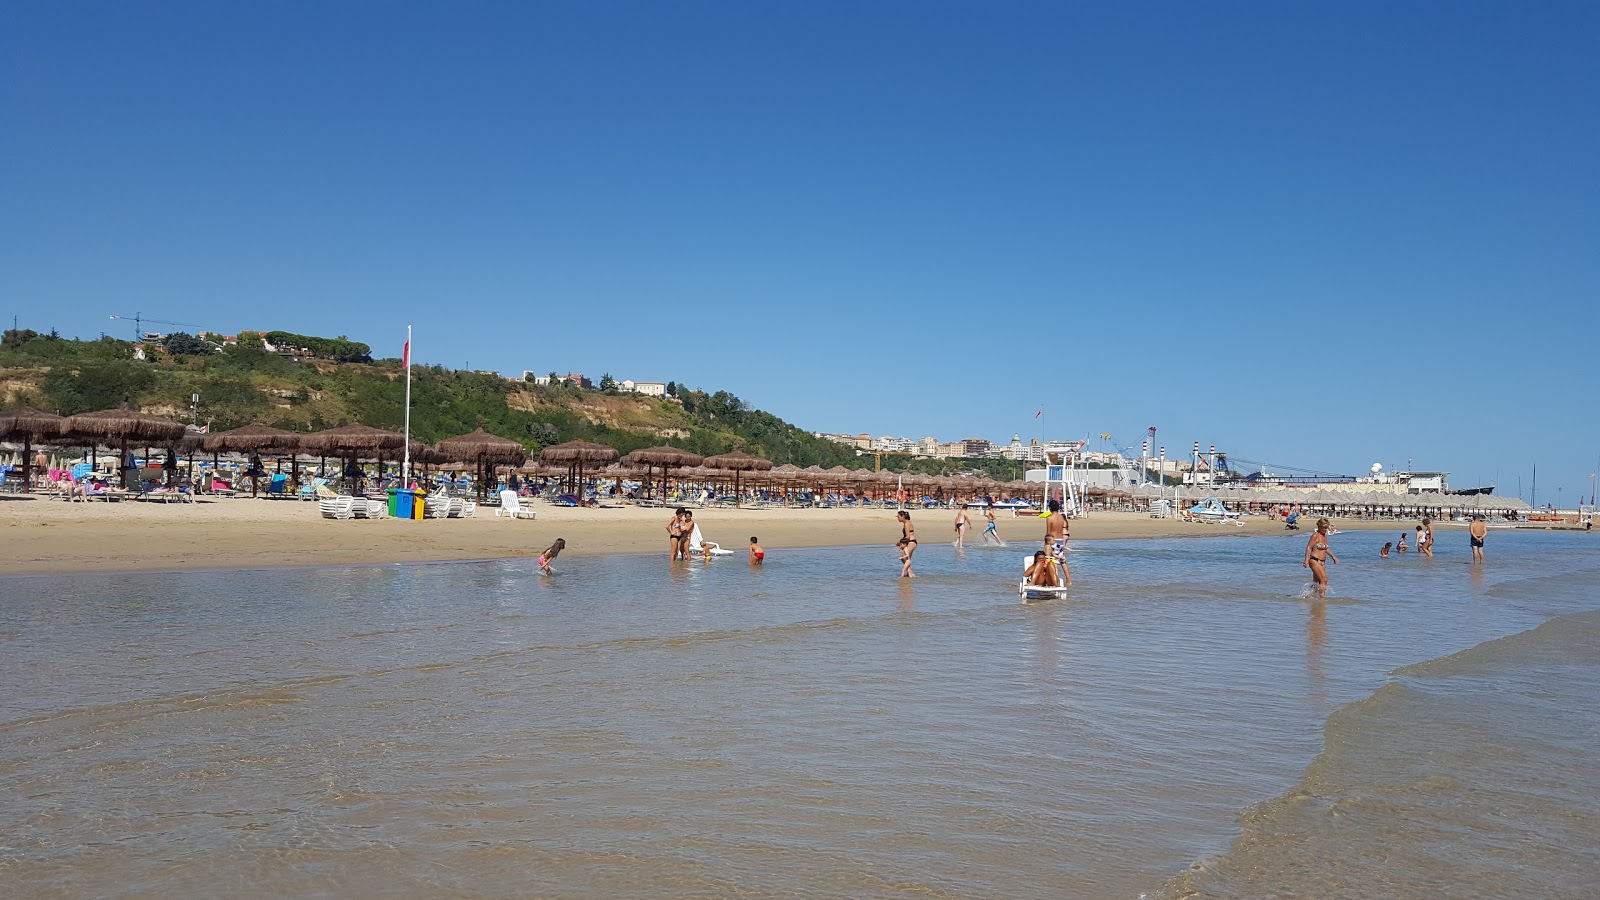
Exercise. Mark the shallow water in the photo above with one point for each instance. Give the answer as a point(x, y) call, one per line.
point(816, 727)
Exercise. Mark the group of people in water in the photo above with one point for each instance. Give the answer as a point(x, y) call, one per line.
point(1048, 568)
point(681, 543)
point(1318, 554)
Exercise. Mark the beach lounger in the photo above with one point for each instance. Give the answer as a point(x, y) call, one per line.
point(337, 507)
point(511, 507)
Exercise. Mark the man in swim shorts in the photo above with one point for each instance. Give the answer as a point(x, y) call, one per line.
point(1478, 531)
point(1055, 538)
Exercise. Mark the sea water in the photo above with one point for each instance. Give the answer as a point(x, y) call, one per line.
point(1186, 723)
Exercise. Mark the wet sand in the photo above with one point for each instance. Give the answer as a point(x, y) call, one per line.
point(50, 536)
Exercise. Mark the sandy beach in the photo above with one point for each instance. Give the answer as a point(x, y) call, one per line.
point(44, 535)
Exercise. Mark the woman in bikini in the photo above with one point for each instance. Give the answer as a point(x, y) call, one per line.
point(1318, 555)
point(908, 544)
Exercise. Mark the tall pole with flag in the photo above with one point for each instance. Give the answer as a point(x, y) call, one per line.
point(405, 363)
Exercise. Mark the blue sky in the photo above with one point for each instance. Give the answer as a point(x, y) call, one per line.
point(1316, 235)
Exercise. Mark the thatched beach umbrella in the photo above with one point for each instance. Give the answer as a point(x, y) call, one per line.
point(739, 462)
point(577, 454)
point(30, 425)
point(353, 442)
point(485, 450)
point(124, 426)
point(251, 440)
point(665, 457)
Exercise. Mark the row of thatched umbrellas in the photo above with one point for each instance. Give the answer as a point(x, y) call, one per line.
point(479, 449)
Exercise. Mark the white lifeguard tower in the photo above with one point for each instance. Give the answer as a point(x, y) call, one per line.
point(1061, 481)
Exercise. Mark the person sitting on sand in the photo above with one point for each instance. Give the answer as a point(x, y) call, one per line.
point(1042, 571)
point(756, 553)
point(551, 553)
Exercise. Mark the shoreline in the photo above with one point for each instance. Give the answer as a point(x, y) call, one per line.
point(45, 536)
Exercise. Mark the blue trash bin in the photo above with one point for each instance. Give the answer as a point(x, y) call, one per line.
point(401, 502)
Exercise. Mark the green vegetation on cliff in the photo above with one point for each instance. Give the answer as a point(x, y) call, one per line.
point(245, 383)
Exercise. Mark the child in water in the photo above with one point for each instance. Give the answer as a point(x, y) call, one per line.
point(551, 553)
point(756, 553)
point(1385, 551)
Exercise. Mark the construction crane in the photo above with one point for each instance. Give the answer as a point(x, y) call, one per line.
point(139, 319)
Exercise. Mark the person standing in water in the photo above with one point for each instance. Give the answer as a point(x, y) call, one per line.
point(551, 553)
point(675, 533)
point(1318, 554)
point(907, 543)
point(756, 553)
point(1425, 537)
point(1478, 531)
point(961, 525)
point(1055, 538)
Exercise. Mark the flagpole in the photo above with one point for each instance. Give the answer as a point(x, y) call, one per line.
point(405, 465)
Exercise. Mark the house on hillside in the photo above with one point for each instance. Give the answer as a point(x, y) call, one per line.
point(648, 388)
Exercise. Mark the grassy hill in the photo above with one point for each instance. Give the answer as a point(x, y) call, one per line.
point(242, 384)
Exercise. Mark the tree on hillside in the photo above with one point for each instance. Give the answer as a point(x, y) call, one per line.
point(180, 343)
point(608, 384)
point(672, 389)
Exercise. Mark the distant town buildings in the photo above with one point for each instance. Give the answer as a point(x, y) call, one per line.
point(966, 448)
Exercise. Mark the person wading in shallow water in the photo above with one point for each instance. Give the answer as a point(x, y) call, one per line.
point(1318, 554)
point(907, 543)
point(1478, 531)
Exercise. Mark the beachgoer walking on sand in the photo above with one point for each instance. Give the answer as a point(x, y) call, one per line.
point(1055, 538)
point(756, 553)
point(1318, 553)
point(1042, 571)
point(907, 543)
point(550, 553)
point(675, 533)
point(989, 529)
point(961, 526)
point(1478, 531)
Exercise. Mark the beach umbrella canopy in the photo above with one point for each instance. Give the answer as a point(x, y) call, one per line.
point(30, 425)
point(665, 457)
point(252, 438)
point(577, 454)
point(347, 440)
point(482, 447)
point(124, 425)
point(739, 462)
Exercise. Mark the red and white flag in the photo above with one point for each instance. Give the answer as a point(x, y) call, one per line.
point(405, 356)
